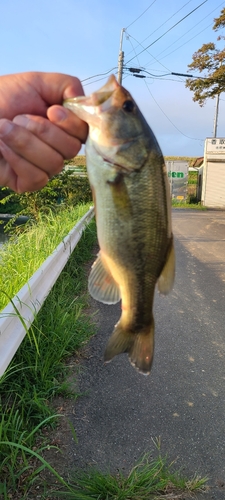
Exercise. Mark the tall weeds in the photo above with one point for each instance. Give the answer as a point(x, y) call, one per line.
point(60, 328)
point(30, 245)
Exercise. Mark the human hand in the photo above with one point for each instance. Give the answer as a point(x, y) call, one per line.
point(36, 132)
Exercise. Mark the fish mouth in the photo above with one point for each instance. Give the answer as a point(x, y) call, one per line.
point(88, 108)
point(98, 111)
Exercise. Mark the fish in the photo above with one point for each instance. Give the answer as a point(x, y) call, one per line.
point(131, 196)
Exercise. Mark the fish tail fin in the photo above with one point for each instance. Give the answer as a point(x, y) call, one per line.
point(139, 346)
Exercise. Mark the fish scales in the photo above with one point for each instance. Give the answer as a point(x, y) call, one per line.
point(134, 236)
point(130, 189)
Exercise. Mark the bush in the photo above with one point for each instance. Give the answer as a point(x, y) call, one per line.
point(66, 188)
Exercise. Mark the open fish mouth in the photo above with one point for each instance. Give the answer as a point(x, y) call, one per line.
point(88, 108)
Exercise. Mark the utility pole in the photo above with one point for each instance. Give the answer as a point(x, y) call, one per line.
point(216, 116)
point(121, 58)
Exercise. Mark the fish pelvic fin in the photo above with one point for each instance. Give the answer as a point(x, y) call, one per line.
point(101, 285)
point(166, 279)
point(139, 346)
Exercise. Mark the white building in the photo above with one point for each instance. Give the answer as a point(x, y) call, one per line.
point(213, 183)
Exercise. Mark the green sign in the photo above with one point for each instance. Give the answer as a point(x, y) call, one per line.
point(177, 175)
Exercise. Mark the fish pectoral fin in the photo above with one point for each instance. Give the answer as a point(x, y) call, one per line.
point(166, 279)
point(101, 284)
point(139, 346)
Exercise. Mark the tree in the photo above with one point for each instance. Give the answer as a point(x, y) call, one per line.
point(210, 61)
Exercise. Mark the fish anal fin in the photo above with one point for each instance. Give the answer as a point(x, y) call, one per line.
point(166, 279)
point(101, 284)
point(139, 346)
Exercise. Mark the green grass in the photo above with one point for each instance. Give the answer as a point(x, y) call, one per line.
point(17, 466)
point(29, 246)
point(185, 204)
point(38, 371)
point(149, 479)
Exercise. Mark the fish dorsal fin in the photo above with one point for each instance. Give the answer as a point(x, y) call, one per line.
point(101, 284)
point(166, 279)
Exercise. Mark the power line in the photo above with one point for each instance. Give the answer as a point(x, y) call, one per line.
point(162, 23)
point(183, 18)
point(135, 70)
point(152, 57)
point(135, 52)
point(100, 74)
point(134, 49)
point(95, 81)
point(140, 15)
point(160, 78)
point(186, 32)
point(130, 69)
point(157, 104)
point(186, 42)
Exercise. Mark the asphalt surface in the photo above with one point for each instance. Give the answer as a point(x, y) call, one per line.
point(182, 402)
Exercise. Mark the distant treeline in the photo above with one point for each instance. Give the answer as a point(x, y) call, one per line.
point(80, 160)
point(190, 159)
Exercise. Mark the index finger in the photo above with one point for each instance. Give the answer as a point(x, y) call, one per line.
point(33, 92)
point(68, 122)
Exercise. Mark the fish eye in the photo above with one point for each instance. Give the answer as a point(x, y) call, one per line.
point(128, 106)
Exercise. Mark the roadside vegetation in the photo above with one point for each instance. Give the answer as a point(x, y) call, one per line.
point(66, 189)
point(38, 371)
point(148, 479)
point(42, 365)
point(30, 244)
point(188, 205)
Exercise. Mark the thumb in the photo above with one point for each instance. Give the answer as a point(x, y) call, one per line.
point(55, 87)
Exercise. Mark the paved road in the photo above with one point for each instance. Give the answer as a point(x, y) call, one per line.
point(183, 400)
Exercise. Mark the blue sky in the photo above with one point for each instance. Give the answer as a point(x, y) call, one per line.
point(82, 38)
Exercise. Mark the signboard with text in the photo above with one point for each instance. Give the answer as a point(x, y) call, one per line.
point(215, 145)
point(178, 178)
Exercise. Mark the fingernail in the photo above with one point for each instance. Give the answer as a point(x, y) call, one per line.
point(5, 127)
point(22, 120)
point(60, 114)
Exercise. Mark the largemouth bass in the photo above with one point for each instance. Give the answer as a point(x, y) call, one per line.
point(131, 195)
